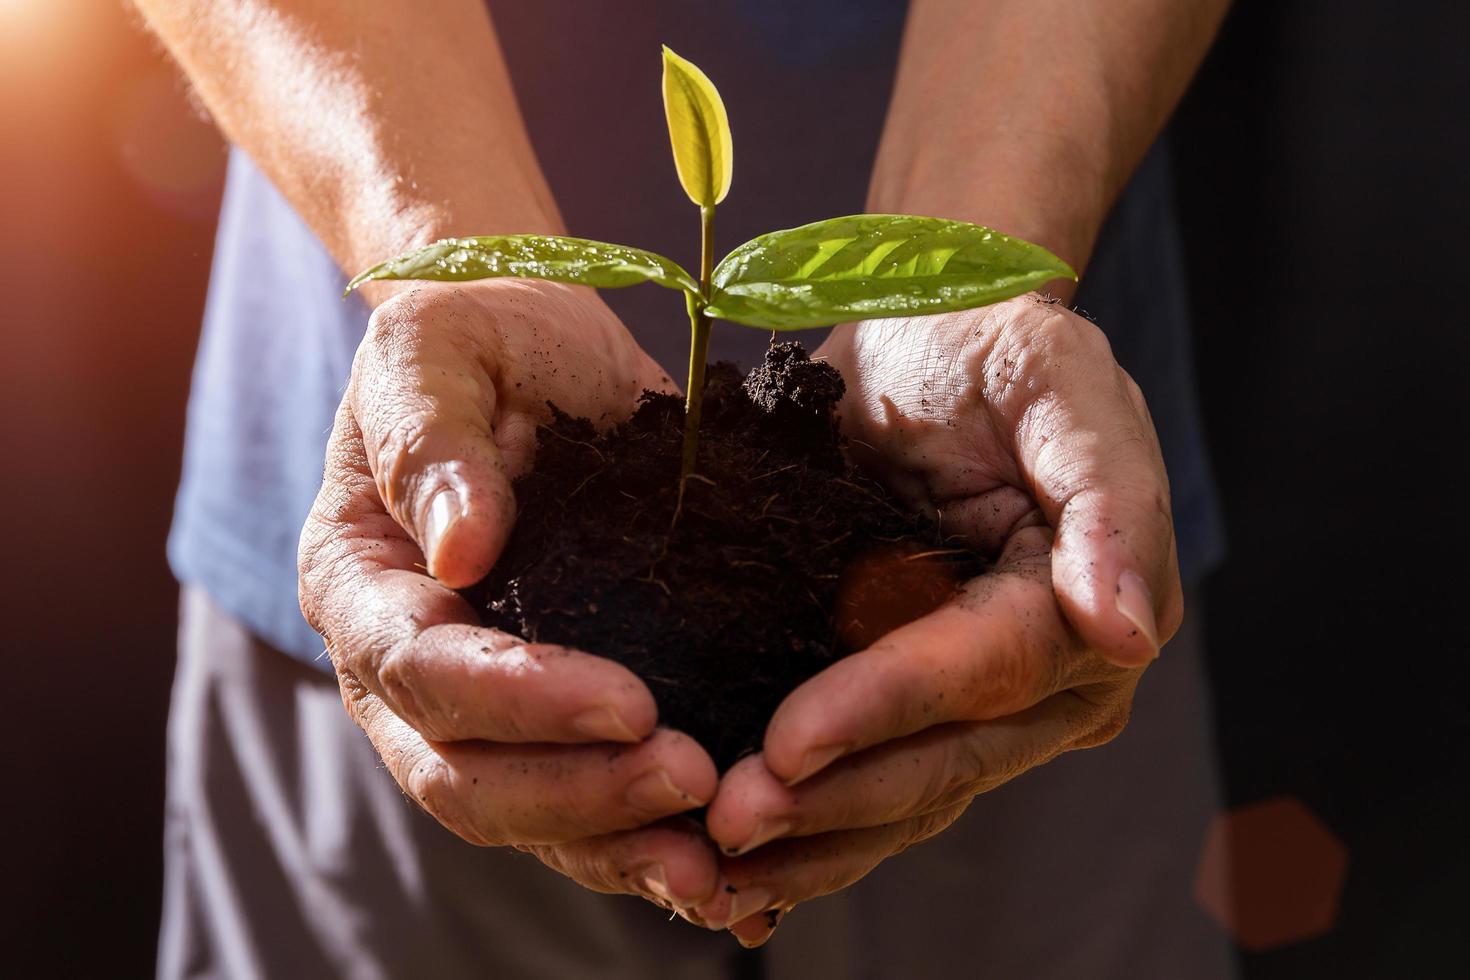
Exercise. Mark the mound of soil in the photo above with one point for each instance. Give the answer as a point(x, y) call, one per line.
point(784, 557)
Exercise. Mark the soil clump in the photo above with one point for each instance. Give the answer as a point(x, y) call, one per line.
point(784, 556)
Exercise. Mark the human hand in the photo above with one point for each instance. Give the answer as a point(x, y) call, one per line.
point(504, 741)
point(1016, 428)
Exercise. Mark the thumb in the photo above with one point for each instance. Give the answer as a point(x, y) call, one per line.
point(1087, 445)
point(1115, 569)
point(425, 407)
point(442, 478)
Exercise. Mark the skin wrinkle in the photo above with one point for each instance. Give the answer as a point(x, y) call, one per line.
point(1059, 663)
point(1042, 148)
point(962, 774)
point(928, 460)
point(372, 169)
point(402, 444)
point(1068, 97)
point(421, 635)
point(978, 770)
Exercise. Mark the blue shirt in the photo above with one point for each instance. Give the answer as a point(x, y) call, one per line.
point(806, 86)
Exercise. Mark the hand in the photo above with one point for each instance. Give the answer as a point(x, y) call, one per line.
point(504, 741)
point(1015, 427)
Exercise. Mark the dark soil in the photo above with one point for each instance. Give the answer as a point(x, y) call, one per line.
point(783, 559)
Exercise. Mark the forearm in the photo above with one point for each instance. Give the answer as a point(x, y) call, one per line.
point(1029, 115)
point(385, 124)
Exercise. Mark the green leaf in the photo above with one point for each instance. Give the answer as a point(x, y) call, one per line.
point(874, 265)
point(559, 259)
point(699, 131)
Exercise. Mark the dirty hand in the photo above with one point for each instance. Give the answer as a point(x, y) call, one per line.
point(1016, 428)
point(506, 742)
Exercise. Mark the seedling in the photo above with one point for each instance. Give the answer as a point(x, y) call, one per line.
point(849, 268)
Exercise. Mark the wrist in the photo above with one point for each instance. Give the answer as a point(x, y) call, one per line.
point(395, 225)
point(1035, 186)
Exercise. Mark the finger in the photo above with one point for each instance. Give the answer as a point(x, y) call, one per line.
point(931, 770)
point(997, 649)
point(425, 401)
point(755, 931)
point(1086, 446)
point(415, 644)
point(670, 863)
point(495, 794)
point(788, 872)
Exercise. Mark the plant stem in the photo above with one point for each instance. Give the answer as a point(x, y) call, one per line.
point(699, 326)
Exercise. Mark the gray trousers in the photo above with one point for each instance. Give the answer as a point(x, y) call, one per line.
point(290, 852)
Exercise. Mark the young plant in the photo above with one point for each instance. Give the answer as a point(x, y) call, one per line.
point(827, 272)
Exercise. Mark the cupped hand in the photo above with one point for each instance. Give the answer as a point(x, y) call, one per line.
point(506, 742)
point(1016, 428)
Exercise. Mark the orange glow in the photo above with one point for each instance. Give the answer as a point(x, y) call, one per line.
point(24, 23)
point(50, 48)
point(175, 156)
point(1271, 874)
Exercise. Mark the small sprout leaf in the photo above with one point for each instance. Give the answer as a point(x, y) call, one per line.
point(574, 260)
point(874, 265)
point(698, 130)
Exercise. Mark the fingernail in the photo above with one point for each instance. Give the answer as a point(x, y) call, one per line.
point(444, 510)
point(817, 760)
point(747, 902)
point(655, 882)
point(655, 792)
point(773, 919)
point(604, 724)
point(765, 831)
point(1137, 606)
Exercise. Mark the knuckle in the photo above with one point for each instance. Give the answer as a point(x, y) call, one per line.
point(977, 768)
point(401, 446)
point(400, 677)
point(1109, 727)
point(596, 868)
point(1101, 712)
point(562, 860)
point(593, 869)
point(931, 824)
point(1056, 333)
point(925, 826)
point(607, 874)
point(1063, 334)
point(958, 778)
point(428, 784)
point(354, 692)
point(396, 321)
point(1037, 341)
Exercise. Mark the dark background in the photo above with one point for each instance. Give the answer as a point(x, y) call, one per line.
point(1322, 161)
point(1322, 158)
